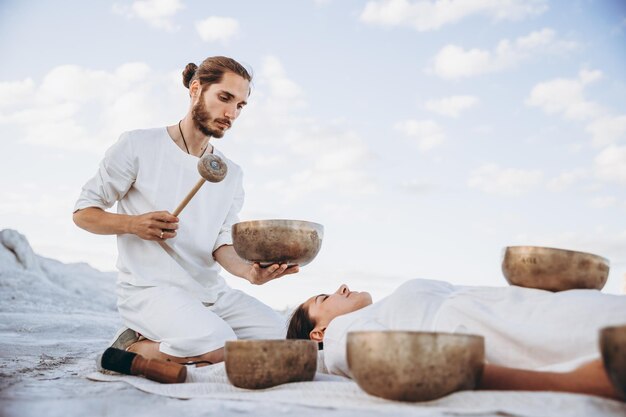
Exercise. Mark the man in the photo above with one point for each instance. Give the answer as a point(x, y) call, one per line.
point(169, 289)
point(534, 339)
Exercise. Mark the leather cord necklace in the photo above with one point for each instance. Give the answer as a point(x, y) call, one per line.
point(185, 142)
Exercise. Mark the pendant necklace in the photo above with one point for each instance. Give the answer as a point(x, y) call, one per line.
point(185, 142)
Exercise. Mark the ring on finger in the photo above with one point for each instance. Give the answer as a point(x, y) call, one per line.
point(161, 236)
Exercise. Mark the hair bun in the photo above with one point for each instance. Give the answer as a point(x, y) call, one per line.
point(188, 73)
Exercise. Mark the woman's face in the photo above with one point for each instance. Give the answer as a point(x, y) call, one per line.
point(325, 307)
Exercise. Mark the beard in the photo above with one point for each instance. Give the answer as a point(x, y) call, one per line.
point(202, 120)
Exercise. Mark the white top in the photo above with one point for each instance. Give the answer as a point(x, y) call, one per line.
point(146, 171)
point(523, 328)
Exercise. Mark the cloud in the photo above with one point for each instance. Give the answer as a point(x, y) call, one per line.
point(427, 134)
point(83, 109)
point(157, 13)
point(50, 203)
point(280, 86)
point(454, 62)
point(566, 179)
point(492, 179)
point(451, 106)
point(417, 186)
point(16, 92)
point(565, 97)
point(603, 202)
point(317, 156)
point(78, 108)
point(217, 29)
point(610, 164)
point(432, 15)
point(606, 130)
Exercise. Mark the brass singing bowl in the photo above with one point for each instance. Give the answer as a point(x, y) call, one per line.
point(258, 364)
point(613, 348)
point(294, 242)
point(553, 269)
point(415, 366)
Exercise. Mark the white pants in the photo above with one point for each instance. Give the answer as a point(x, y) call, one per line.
point(185, 326)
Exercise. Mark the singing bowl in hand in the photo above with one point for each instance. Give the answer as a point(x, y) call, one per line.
point(415, 366)
point(258, 364)
point(294, 242)
point(553, 269)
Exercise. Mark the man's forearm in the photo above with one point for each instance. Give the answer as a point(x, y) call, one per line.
point(588, 379)
point(226, 256)
point(502, 378)
point(96, 220)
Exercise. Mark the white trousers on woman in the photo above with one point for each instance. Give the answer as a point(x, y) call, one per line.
point(185, 326)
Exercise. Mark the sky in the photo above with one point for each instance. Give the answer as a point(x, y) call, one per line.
point(426, 136)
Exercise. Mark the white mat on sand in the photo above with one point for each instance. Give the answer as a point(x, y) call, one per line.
point(328, 391)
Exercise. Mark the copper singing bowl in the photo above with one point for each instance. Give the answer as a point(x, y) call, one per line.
point(278, 241)
point(613, 348)
point(553, 269)
point(258, 364)
point(415, 366)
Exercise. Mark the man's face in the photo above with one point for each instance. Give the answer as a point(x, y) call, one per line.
point(219, 105)
point(325, 307)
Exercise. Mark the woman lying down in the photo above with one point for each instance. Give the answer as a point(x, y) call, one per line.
point(534, 339)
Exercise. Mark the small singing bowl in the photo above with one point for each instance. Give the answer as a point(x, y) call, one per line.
point(613, 348)
point(553, 269)
point(258, 364)
point(294, 242)
point(415, 366)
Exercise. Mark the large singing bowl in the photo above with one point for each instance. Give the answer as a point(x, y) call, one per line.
point(415, 366)
point(294, 242)
point(553, 269)
point(258, 364)
point(613, 348)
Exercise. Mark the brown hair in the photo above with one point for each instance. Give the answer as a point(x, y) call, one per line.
point(301, 324)
point(211, 71)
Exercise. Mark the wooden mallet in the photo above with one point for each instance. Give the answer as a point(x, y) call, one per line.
point(211, 168)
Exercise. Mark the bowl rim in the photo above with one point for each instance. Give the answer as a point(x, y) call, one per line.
point(269, 221)
point(269, 341)
point(418, 332)
point(616, 328)
point(534, 247)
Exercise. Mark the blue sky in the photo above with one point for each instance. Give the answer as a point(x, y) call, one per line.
point(424, 135)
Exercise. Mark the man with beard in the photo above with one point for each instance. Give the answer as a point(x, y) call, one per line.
point(173, 301)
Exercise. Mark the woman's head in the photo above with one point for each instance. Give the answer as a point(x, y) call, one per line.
point(310, 319)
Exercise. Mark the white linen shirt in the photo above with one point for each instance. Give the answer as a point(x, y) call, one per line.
point(145, 171)
point(523, 327)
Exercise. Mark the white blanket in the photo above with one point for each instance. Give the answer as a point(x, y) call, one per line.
point(329, 391)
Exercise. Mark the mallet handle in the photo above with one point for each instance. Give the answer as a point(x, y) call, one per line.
point(186, 200)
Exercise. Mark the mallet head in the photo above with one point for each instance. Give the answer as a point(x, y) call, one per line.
point(212, 168)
